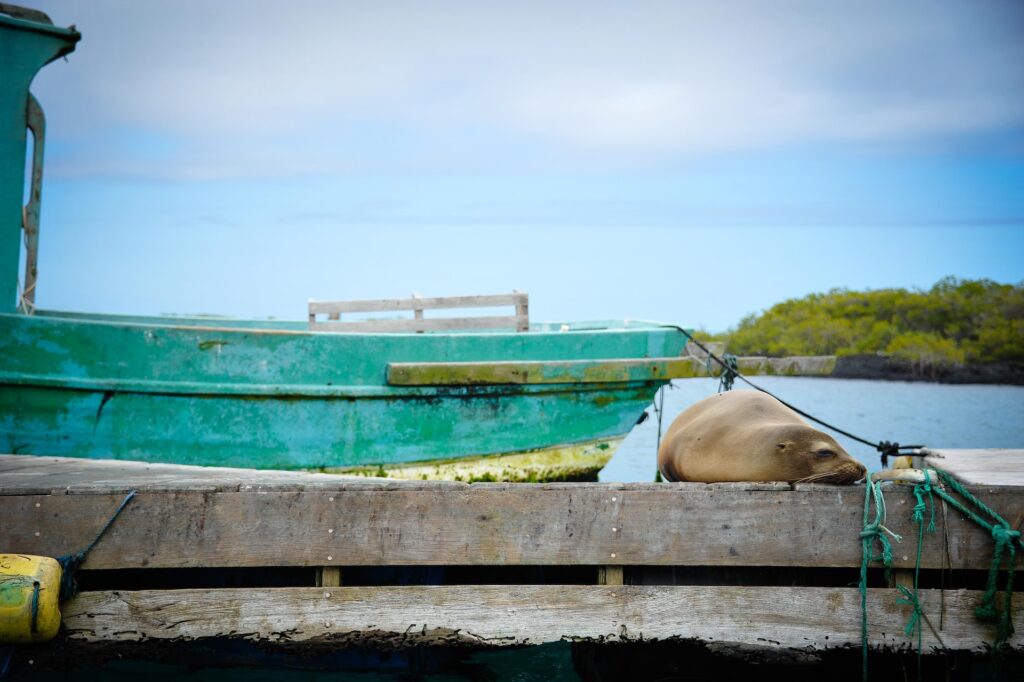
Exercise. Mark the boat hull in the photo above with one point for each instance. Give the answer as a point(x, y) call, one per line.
point(283, 399)
point(308, 432)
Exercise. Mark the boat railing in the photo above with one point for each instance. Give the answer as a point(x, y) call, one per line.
point(28, 41)
point(26, 13)
point(30, 213)
point(325, 316)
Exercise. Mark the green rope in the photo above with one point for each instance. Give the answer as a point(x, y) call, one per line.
point(910, 596)
point(873, 530)
point(866, 538)
point(1004, 537)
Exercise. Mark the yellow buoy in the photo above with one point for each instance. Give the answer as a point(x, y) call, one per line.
point(29, 592)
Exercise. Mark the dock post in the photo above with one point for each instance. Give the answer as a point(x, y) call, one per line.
point(328, 576)
point(610, 575)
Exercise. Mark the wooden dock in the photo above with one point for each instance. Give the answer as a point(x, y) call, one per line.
point(998, 466)
point(296, 559)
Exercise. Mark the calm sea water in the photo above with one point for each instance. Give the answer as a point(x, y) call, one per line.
point(936, 415)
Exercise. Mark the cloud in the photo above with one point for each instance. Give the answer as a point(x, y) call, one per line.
point(270, 87)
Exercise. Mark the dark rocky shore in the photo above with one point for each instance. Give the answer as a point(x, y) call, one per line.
point(888, 368)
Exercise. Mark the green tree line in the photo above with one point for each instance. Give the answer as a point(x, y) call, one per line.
point(954, 322)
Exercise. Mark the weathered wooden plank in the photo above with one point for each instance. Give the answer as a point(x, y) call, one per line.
point(995, 466)
point(666, 524)
point(29, 474)
point(523, 314)
point(589, 371)
point(417, 303)
point(421, 325)
point(782, 617)
point(520, 321)
point(25, 474)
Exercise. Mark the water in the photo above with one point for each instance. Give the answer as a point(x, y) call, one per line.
point(552, 661)
point(936, 415)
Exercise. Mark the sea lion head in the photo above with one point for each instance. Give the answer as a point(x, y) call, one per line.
point(806, 455)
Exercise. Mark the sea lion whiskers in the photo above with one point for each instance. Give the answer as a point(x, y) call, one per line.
point(848, 473)
point(815, 477)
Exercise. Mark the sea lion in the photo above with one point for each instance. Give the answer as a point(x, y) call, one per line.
point(751, 436)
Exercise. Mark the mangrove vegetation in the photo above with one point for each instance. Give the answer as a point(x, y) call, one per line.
point(956, 322)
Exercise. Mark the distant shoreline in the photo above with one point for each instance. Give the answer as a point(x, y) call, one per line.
point(888, 368)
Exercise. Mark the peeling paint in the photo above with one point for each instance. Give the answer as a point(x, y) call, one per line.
point(214, 343)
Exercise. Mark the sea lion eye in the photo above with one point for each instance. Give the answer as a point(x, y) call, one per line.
point(781, 446)
point(825, 453)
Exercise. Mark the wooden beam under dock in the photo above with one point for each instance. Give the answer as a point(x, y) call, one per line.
point(500, 615)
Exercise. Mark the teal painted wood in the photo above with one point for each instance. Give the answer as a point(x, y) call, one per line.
point(25, 47)
point(235, 395)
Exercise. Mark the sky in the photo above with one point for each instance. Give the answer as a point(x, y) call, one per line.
point(686, 162)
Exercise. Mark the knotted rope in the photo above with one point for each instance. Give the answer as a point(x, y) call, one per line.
point(729, 372)
point(1003, 535)
point(69, 563)
point(873, 531)
point(1005, 538)
point(910, 596)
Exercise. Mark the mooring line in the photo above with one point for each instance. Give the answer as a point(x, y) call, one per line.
point(69, 563)
point(884, 447)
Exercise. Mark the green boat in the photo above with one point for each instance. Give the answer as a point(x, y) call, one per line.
point(471, 398)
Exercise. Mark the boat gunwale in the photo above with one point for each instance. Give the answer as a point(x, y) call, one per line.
point(51, 29)
point(630, 325)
